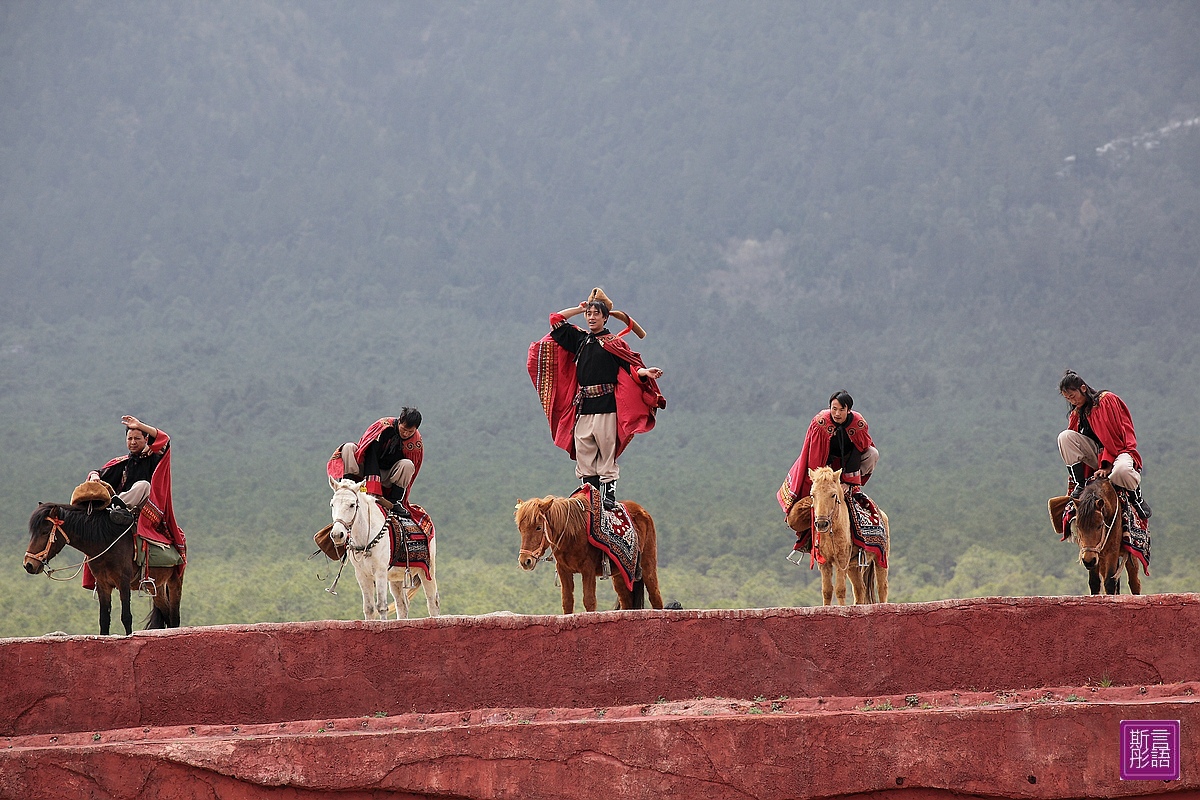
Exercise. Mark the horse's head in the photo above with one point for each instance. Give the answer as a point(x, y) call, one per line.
point(46, 536)
point(531, 522)
point(347, 497)
point(1097, 514)
point(827, 495)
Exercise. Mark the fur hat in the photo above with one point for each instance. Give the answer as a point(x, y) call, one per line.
point(598, 296)
point(92, 492)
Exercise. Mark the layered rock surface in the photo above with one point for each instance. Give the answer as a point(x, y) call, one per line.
point(1013, 697)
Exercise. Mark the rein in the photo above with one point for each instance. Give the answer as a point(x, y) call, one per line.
point(1103, 541)
point(540, 553)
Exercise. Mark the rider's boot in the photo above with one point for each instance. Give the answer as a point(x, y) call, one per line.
point(1075, 479)
point(1139, 503)
point(397, 494)
point(610, 495)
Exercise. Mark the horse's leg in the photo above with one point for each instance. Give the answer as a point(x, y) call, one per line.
point(399, 593)
point(1094, 581)
point(567, 581)
point(175, 596)
point(861, 593)
point(827, 583)
point(588, 579)
point(366, 583)
point(1134, 578)
point(625, 597)
point(881, 581)
point(839, 587)
point(104, 595)
point(433, 600)
point(126, 609)
point(1112, 585)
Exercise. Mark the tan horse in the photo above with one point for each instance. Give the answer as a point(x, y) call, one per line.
point(1098, 529)
point(560, 524)
point(831, 530)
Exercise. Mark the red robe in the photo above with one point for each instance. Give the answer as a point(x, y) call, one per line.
point(156, 522)
point(412, 449)
point(552, 370)
point(815, 454)
point(1112, 423)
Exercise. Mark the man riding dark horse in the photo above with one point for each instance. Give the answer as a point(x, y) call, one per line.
point(141, 480)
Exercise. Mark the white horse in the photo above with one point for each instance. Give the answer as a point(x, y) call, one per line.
point(358, 525)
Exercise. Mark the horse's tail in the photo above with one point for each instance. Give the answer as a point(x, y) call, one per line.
point(872, 589)
point(639, 593)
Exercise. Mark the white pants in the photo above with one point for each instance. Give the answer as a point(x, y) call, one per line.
point(136, 495)
point(1074, 447)
point(596, 447)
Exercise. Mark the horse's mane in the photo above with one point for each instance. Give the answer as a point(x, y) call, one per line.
point(1089, 500)
point(563, 514)
point(86, 522)
point(823, 475)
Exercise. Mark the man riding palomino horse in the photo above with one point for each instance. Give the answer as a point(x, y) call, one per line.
point(596, 391)
point(1099, 441)
point(386, 459)
point(837, 438)
point(141, 482)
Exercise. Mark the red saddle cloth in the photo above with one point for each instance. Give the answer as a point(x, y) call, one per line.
point(410, 540)
point(612, 532)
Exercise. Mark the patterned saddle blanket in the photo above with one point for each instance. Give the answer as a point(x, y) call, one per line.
point(866, 527)
point(1136, 537)
point(612, 532)
point(410, 539)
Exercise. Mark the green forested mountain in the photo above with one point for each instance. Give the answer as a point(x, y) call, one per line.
point(262, 225)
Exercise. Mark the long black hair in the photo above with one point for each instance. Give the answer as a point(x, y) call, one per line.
point(1072, 382)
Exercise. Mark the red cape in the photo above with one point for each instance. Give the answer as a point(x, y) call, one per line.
point(156, 522)
point(552, 370)
point(1112, 423)
point(414, 451)
point(815, 454)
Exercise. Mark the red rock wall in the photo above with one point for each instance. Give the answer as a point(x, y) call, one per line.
point(524, 706)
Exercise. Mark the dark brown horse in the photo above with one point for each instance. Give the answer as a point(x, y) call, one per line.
point(560, 524)
point(1098, 529)
point(109, 549)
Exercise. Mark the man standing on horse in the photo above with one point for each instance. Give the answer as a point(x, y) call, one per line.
point(1099, 441)
point(387, 458)
point(142, 481)
point(837, 438)
point(596, 391)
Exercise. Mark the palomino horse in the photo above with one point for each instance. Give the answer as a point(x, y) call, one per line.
point(108, 548)
point(831, 530)
point(560, 524)
point(1098, 529)
point(358, 525)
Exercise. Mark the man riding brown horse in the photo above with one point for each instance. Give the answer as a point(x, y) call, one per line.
point(596, 391)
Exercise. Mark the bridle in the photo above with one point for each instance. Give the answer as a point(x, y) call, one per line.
point(824, 524)
point(55, 530)
point(348, 527)
point(1104, 540)
point(540, 553)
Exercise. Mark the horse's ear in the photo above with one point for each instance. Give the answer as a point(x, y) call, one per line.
point(332, 483)
point(837, 475)
point(812, 474)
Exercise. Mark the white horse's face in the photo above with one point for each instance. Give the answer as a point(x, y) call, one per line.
point(344, 506)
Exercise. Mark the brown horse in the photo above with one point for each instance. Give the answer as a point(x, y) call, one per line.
point(560, 524)
point(109, 550)
point(831, 523)
point(1098, 529)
